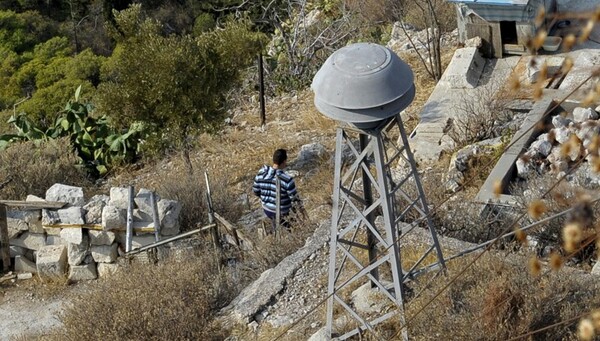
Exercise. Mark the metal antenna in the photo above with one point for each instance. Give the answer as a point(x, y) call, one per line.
point(365, 86)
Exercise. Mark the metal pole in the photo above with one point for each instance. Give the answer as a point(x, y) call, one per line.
point(368, 196)
point(171, 239)
point(263, 118)
point(4, 243)
point(155, 217)
point(129, 233)
point(211, 214)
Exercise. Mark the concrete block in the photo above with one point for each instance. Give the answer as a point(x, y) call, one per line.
point(93, 209)
point(71, 216)
point(52, 261)
point(107, 269)
point(22, 264)
point(464, 70)
point(72, 235)
point(119, 197)
point(16, 251)
point(64, 193)
point(30, 241)
point(113, 218)
point(101, 237)
point(83, 272)
point(104, 253)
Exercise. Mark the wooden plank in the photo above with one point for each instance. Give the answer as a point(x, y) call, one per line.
point(231, 229)
point(36, 205)
point(484, 32)
point(496, 39)
point(4, 243)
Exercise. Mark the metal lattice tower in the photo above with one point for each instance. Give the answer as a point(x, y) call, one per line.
point(365, 86)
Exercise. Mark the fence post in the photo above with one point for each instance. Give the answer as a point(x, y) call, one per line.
point(155, 217)
point(4, 243)
point(211, 215)
point(129, 235)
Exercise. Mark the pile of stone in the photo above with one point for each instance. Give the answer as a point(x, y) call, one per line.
point(399, 39)
point(570, 140)
point(83, 239)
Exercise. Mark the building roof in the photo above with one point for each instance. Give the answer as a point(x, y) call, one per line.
point(494, 2)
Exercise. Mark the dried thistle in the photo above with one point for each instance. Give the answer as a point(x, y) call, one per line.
point(543, 75)
point(590, 98)
point(595, 163)
point(521, 236)
point(497, 188)
point(587, 30)
point(539, 39)
point(556, 261)
point(596, 319)
point(535, 267)
point(567, 65)
point(585, 330)
point(513, 83)
point(552, 136)
point(572, 235)
point(568, 43)
point(541, 15)
point(538, 92)
point(594, 146)
point(536, 209)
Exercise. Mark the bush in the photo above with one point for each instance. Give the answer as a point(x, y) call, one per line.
point(173, 301)
point(34, 167)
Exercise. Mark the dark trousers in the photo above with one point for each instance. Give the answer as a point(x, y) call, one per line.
point(284, 221)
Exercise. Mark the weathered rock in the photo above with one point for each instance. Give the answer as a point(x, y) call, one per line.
point(113, 218)
point(52, 261)
point(34, 198)
point(77, 252)
point(168, 213)
point(367, 300)
point(101, 237)
point(53, 231)
point(64, 193)
point(14, 251)
point(562, 134)
point(23, 264)
point(50, 217)
point(143, 202)
point(310, 154)
point(139, 216)
point(55, 240)
point(93, 209)
point(71, 216)
point(107, 269)
point(588, 130)
point(473, 42)
point(524, 167)
point(82, 272)
point(72, 235)
point(558, 121)
point(119, 197)
point(142, 240)
point(596, 269)
point(16, 227)
point(584, 114)
point(541, 147)
point(26, 216)
point(104, 253)
point(30, 241)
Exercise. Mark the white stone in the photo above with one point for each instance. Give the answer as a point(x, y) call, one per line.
point(64, 193)
point(104, 253)
point(168, 213)
point(588, 130)
point(76, 253)
point(142, 240)
point(50, 217)
point(541, 147)
point(93, 209)
point(139, 216)
point(310, 154)
point(71, 216)
point(25, 275)
point(562, 134)
point(473, 42)
point(143, 202)
point(119, 197)
point(52, 261)
point(16, 227)
point(31, 241)
point(33, 198)
point(53, 231)
point(523, 168)
point(596, 269)
point(107, 269)
point(23, 264)
point(72, 235)
point(560, 122)
point(55, 240)
point(367, 300)
point(101, 237)
point(584, 114)
point(113, 218)
point(83, 272)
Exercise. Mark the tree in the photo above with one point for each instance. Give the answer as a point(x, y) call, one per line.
point(175, 84)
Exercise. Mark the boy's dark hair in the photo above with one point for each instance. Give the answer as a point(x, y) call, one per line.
point(280, 156)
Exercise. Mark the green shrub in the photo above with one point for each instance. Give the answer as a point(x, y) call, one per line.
point(34, 167)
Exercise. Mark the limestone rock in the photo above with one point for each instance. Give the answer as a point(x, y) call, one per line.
point(562, 134)
point(23, 264)
point(596, 269)
point(52, 261)
point(15, 251)
point(584, 114)
point(168, 213)
point(33, 198)
point(93, 209)
point(524, 168)
point(64, 193)
point(119, 197)
point(53, 231)
point(541, 147)
point(16, 227)
point(76, 253)
point(310, 154)
point(107, 269)
point(588, 130)
point(72, 235)
point(139, 216)
point(31, 241)
point(113, 218)
point(71, 216)
point(473, 42)
point(143, 202)
point(367, 300)
point(82, 272)
point(55, 240)
point(101, 237)
point(559, 121)
point(104, 253)
point(50, 217)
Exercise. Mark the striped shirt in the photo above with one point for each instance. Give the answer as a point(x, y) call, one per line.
point(266, 189)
